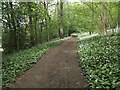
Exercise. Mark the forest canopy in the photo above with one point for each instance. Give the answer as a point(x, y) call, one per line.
point(26, 24)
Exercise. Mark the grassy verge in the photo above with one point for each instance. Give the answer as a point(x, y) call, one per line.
point(15, 64)
point(100, 62)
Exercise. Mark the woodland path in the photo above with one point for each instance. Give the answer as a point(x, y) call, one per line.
point(58, 68)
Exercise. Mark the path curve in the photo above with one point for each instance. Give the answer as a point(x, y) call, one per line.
point(58, 68)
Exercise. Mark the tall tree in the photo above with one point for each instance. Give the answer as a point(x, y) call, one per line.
point(60, 17)
point(31, 24)
point(46, 19)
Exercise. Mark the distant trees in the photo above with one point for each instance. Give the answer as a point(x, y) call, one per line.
point(26, 24)
point(91, 17)
point(103, 15)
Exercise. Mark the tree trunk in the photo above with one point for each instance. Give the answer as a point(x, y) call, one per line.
point(105, 20)
point(18, 33)
point(60, 17)
point(46, 19)
point(14, 27)
point(41, 26)
point(30, 25)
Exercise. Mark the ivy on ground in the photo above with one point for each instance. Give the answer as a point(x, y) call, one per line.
point(15, 64)
point(100, 62)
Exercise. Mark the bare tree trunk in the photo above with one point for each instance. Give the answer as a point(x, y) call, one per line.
point(14, 27)
point(105, 20)
point(46, 19)
point(60, 17)
point(30, 25)
point(11, 40)
point(40, 36)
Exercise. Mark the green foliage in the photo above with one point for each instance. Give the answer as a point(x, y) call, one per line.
point(14, 64)
point(91, 17)
point(27, 24)
point(100, 62)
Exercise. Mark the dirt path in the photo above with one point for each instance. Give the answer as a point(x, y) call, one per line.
point(59, 68)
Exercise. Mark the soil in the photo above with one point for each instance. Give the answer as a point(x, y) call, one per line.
point(58, 68)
